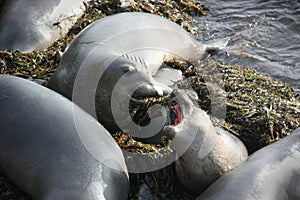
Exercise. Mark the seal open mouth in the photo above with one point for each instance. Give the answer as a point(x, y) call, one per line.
point(159, 144)
point(140, 109)
point(175, 114)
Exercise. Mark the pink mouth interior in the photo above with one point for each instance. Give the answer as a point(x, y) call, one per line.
point(179, 114)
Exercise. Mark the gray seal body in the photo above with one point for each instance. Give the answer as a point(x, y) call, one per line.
point(212, 152)
point(28, 25)
point(45, 145)
point(271, 173)
point(120, 55)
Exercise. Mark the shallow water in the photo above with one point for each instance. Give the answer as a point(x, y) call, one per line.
point(263, 35)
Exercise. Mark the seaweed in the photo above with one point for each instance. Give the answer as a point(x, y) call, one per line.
point(259, 110)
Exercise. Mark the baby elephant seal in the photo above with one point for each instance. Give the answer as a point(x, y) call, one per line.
point(271, 173)
point(45, 145)
point(28, 25)
point(114, 61)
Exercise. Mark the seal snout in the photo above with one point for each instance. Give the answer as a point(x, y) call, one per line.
point(149, 90)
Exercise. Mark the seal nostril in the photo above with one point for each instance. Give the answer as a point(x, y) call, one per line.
point(166, 92)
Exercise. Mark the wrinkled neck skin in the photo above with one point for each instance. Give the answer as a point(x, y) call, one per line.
point(143, 38)
point(272, 173)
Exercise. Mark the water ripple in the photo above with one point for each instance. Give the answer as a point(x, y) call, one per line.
point(264, 35)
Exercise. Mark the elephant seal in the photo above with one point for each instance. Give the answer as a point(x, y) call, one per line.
point(28, 25)
point(113, 61)
point(45, 145)
point(272, 172)
point(212, 153)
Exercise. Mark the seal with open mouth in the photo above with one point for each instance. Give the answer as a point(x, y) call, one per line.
point(272, 172)
point(28, 25)
point(46, 143)
point(114, 60)
point(209, 151)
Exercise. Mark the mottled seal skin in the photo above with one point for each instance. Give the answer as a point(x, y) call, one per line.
point(41, 148)
point(212, 153)
point(271, 173)
point(128, 45)
point(28, 25)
